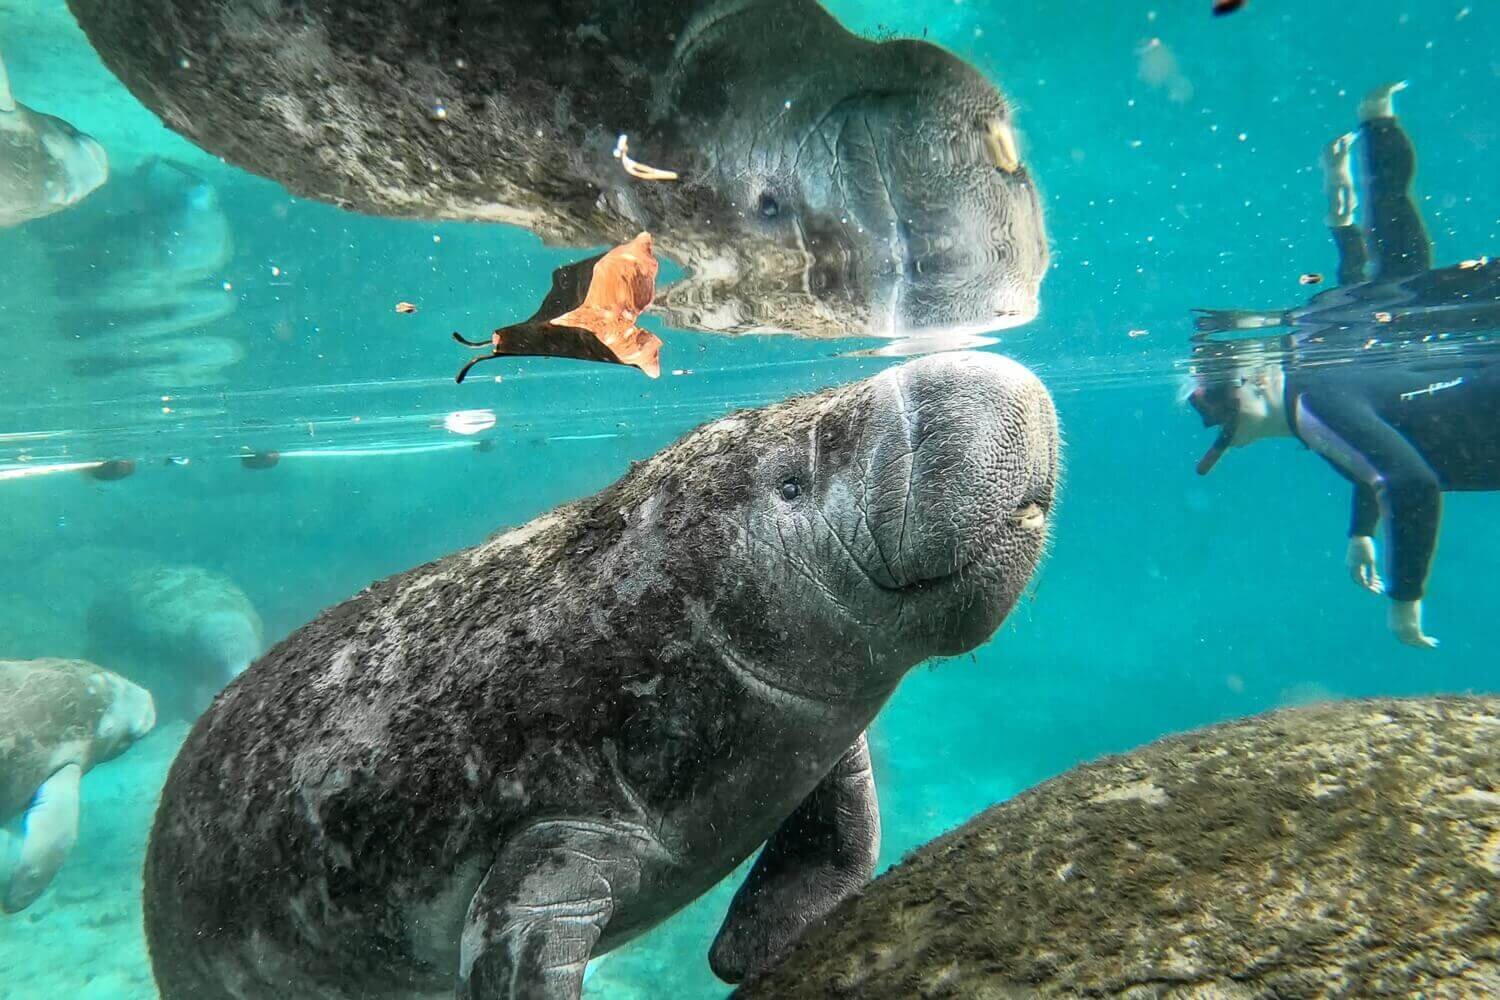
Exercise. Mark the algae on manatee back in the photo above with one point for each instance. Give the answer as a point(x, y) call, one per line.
point(1338, 849)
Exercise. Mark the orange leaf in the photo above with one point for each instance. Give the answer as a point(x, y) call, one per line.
point(589, 313)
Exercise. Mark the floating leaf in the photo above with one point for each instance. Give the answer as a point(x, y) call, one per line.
point(589, 314)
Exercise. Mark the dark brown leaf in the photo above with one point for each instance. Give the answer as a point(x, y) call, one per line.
point(589, 314)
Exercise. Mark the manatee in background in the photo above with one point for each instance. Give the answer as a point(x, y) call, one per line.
point(137, 276)
point(144, 259)
point(1346, 849)
point(182, 631)
point(478, 774)
point(58, 718)
point(46, 165)
point(828, 185)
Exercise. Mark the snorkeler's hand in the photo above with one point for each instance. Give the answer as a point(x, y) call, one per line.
point(1406, 622)
point(1360, 558)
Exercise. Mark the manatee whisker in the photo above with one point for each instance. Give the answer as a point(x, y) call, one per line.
point(637, 169)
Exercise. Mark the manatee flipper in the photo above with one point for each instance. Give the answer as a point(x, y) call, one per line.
point(51, 827)
point(821, 853)
point(539, 911)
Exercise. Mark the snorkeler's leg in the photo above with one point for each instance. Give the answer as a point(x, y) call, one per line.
point(1398, 237)
point(1338, 185)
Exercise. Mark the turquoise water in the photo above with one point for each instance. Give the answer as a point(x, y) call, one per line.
point(1166, 602)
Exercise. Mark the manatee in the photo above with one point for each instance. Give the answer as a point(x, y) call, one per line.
point(58, 718)
point(478, 774)
point(46, 165)
point(182, 631)
point(137, 275)
point(144, 259)
point(1345, 849)
point(827, 185)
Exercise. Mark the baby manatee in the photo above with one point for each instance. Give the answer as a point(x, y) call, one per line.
point(1346, 849)
point(58, 718)
point(476, 775)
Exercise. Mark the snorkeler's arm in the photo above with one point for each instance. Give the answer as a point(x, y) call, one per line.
point(1360, 557)
point(1374, 454)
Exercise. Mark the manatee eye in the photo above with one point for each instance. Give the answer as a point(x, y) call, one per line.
point(791, 489)
point(768, 206)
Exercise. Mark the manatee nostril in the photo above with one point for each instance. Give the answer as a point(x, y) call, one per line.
point(768, 206)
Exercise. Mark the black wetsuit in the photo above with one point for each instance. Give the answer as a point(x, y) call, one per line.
point(1394, 237)
point(1403, 433)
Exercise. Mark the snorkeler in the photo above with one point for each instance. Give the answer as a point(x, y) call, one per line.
point(1401, 433)
point(1403, 426)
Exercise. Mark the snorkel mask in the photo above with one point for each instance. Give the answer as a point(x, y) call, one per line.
point(1218, 407)
point(1220, 368)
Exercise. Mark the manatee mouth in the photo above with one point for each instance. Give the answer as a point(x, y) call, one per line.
point(920, 584)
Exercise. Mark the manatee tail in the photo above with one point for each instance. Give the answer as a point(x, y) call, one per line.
point(1220, 320)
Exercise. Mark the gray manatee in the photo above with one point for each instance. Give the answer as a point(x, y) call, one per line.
point(46, 165)
point(58, 718)
point(182, 631)
point(828, 185)
point(477, 774)
point(1344, 849)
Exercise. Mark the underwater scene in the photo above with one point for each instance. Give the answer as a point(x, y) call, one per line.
point(772, 498)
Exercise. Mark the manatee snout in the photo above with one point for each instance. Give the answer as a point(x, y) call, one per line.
point(85, 167)
point(913, 201)
point(964, 476)
point(934, 172)
point(130, 716)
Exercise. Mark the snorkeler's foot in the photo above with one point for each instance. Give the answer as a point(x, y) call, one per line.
point(1378, 103)
point(1338, 181)
point(1219, 320)
point(1406, 623)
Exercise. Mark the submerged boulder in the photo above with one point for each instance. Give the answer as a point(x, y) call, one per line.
point(1341, 849)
